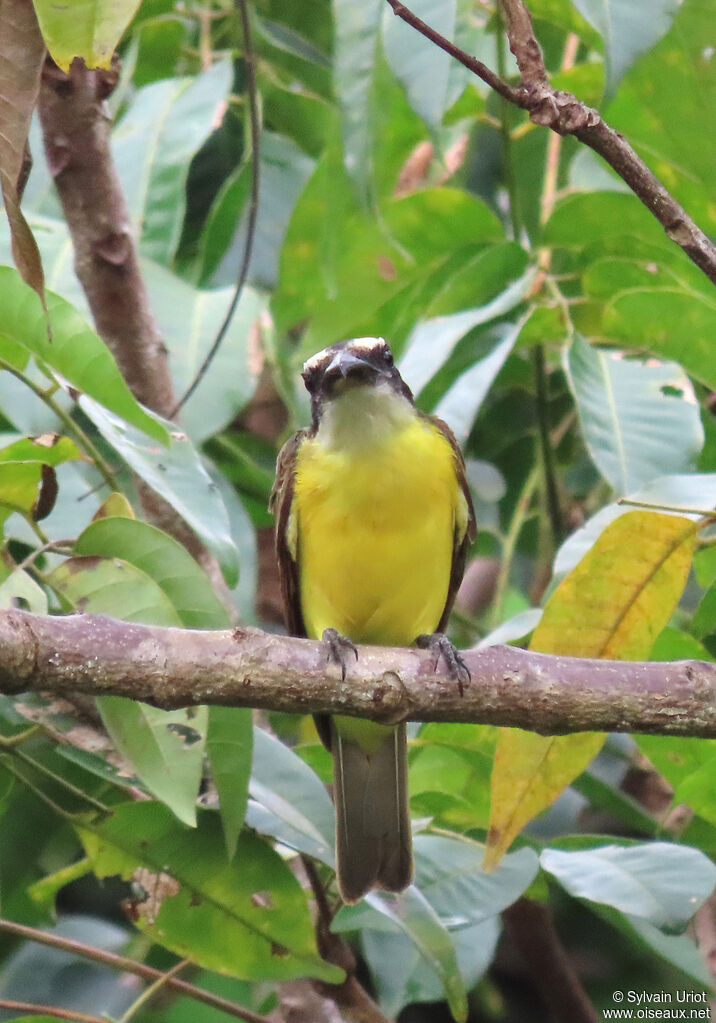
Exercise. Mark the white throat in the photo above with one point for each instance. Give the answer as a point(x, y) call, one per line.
point(362, 416)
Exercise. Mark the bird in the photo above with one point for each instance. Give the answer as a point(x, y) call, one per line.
point(373, 523)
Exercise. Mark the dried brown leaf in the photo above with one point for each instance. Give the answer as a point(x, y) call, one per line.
point(22, 52)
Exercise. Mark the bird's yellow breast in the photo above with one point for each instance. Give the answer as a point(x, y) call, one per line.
point(374, 526)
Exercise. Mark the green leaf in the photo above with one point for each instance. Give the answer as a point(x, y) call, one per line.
point(677, 950)
point(92, 32)
point(433, 341)
point(422, 68)
point(20, 486)
point(20, 590)
point(670, 119)
point(672, 645)
point(50, 449)
point(284, 170)
point(248, 918)
point(461, 402)
point(75, 352)
point(229, 745)
point(414, 915)
point(176, 474)
point(671, 324)
point(703, 623)
point(289, 801)
point(22, 323)
point(450, 889)
point(449, 873)
point(689, 765)
point(582, 219)
point(371, 263)
point(640, 420)
point(44, 892)
point(153, 145)
point(628, 30)
point(357, 28)
point(164, 560)
point(659, 882)
point(189, 319)
point(165, 748)
point(97, 585)
point(242, 528)
point(285, 38)
point(401, 974)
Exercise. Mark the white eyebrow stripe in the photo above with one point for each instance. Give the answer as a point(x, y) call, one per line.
point(358, 346)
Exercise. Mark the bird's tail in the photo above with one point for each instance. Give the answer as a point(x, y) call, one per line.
point(373, 837)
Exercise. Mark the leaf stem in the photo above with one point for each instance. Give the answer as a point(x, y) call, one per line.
point(58, 779)
point(67, 421)
point(6, 758)
point(7, 742)
point(152, 990)
point(510, 542)
point(554, 510)
point(709, 514)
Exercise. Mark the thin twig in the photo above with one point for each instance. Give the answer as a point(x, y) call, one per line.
point(563, 113)
point(472, 63)
point(151, 991)
point(67, 421)
point(707, 514)
point(554, 510)
point(99, 955)
point(50, 1010)
point(510, 542)
point(251, 90)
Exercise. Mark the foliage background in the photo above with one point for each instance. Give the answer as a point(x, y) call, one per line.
point(512, 276)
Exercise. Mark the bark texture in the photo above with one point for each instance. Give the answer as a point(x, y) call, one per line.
point(250, 668)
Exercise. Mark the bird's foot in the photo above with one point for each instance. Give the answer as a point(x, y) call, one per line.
point(441, 646)
point(338, 648)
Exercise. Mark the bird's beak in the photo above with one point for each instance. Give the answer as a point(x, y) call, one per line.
point(346, 366)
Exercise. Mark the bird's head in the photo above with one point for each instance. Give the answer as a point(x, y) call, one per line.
point(363, 362)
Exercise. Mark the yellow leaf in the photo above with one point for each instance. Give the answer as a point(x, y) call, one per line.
point(114, 504)
point(612, 605)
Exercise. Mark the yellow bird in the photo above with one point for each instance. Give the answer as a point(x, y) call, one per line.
point(373, 523)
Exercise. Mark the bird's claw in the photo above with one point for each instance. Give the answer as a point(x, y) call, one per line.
point(337, 649)
point(441, 646)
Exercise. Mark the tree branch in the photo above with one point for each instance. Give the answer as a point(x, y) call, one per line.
point(532, 931)
point(563, 113)
point(246, 667)
point(76, 130)
point(127, 965)
point(77, 137)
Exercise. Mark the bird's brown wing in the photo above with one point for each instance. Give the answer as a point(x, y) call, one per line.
point(463, 537)
point(285, 532)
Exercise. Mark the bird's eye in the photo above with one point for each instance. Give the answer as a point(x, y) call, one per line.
point(388, 357)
